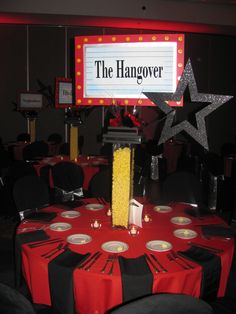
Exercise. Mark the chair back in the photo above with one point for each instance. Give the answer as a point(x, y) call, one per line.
point(100, 184)
point(13, 302)
point(182, 187)
point(23, 137)
point(64, 149)
point(30, 193)
point(35, 150)
point(67, 176)
point(165, 304)
point(55, 138)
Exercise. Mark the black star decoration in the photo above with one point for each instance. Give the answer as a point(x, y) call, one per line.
point(199, 133)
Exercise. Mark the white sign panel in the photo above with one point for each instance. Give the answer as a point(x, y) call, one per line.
point(126, 70)
point(31, 101)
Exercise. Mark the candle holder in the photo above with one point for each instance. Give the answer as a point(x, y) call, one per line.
point(147, 218)
point(96, 224)
point(133, 230)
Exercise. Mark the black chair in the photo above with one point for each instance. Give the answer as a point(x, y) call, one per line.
point(23, 137)
point(165, 304)
point(14, 302)
point(16, 171)
point(55, 138)
point(45, 173)
point(224, 306)
point(35, 150)
point(64, 149)
point(68, 179)
point(30, 193)
point(100, 184)
point(7, 266)
point(182, 187)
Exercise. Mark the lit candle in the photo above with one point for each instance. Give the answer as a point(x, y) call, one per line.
point(96, 224)
point(133, 231)
point(109, 212)
point(147, 218)
point(75, 159)
point(61, 157)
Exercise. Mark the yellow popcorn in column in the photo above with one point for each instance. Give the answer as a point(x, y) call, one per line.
point(121, 186)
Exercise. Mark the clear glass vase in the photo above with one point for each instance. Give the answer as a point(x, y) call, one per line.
point(122, 184)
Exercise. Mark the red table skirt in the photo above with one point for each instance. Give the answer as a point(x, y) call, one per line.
point(96, 292)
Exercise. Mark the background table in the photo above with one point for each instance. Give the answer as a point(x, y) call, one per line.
point(96, 292)
point(90, 165)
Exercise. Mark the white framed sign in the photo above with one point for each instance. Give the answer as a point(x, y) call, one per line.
point(30, 101)
point(120, 68)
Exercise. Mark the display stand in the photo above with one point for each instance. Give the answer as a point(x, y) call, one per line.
point(74, 149)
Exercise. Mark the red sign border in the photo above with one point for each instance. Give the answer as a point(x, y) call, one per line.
point(80, 41)
point(57, 103)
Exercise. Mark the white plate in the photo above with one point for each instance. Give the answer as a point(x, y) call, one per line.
point(115, 246)
point(162, 209)
point(181, 220)
point(79, 238)
point(60, 226)
point(185, 233)
point(94, 206)
point(70, 214)
point(159, 246)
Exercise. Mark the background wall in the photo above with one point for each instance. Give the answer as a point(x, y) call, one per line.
point(51, 54)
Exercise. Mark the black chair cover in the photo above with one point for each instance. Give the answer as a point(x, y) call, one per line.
point(165, 304)
point(182, 187)
point(100, 184)
point(30, 192)
point(13, 302)
point(35, 150)
point(55, 138)
point(67, 176)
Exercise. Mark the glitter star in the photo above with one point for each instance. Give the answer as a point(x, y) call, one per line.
point(199, 133)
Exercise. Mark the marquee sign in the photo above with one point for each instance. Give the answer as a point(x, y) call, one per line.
point(118, 69)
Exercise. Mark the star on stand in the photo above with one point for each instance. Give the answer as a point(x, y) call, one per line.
point(199, 133)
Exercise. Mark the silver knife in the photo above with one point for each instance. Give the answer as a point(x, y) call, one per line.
point(88, 260)
point(150, 261)
point(94, 260)
point(158, 263)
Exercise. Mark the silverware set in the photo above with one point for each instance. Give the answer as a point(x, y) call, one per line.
point(55, 250)
point(101, 200)
point(88, 263)
point(110, 260)
point(163, 269)
point(152, 263)
point(181, 258)
point(44, 242)
point(157, 266)
point(173, 257)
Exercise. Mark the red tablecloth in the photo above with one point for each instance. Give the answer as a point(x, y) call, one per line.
point(96, 292)
point(89, 164)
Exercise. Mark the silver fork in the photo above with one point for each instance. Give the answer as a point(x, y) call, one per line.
point(109, 259)
point(53, 251)
point(112, 265)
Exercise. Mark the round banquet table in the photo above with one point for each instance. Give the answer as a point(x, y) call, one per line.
point(97, 292)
